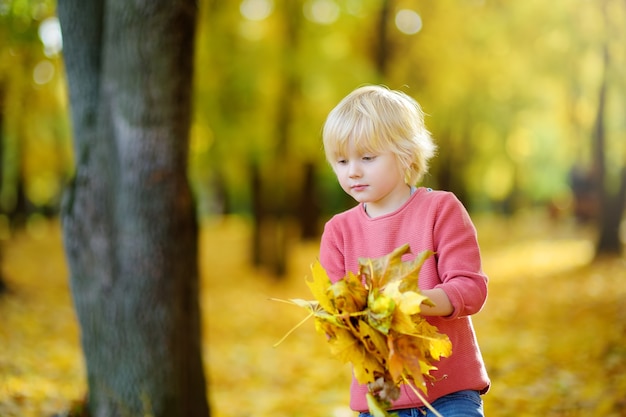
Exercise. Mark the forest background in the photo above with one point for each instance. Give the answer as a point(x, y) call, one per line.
point(526, 103)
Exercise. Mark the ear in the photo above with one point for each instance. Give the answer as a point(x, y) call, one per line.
point(409, 174)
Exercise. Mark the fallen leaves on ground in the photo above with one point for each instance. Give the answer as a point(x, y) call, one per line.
point(553, 332)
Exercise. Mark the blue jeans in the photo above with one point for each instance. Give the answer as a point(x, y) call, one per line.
point(457, 404)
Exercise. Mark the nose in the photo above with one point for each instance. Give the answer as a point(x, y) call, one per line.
point(354, 170)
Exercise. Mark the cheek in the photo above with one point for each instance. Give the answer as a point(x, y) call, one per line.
point(343, 178)
point(400, 169)
point(340, 171)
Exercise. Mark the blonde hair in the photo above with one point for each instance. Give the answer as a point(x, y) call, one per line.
point(374, 119)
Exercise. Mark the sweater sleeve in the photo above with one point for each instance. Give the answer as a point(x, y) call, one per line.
point(331, 256)
point(458, 258)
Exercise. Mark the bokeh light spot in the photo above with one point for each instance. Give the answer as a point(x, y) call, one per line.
point(43, 72)
point(408, 21)
point(324, 12)
point(50, 35)
point(256, 9)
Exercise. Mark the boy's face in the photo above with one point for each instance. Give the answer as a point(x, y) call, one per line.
point(375, 178)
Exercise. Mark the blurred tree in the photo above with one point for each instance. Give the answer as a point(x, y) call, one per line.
point(383, 48)
point(254, 103)
point(596, 75)
point(309, 208)
point(129, 222)
point(21, 47)
point(36, 151)
point(273, 207)
point(612, 198)
point(3, 286)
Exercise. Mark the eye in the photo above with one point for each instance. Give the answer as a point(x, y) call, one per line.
point(369, 157)
point(341, 161)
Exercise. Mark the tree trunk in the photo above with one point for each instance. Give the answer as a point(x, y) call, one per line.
point(383, 51)
point(611, 203)
point(129, 224)
point(309, 210)
point(3, 286)
point(612, 208)
point(272, 210)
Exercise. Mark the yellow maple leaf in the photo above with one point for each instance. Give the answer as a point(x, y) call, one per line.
point(372, 320)
point(348, 295)
point(319, 287)
point(378, 272)
point(380, 311)
point(345, 346)
point(377, 409)
point(409, 302)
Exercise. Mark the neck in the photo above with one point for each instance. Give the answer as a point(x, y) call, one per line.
point(389, 204)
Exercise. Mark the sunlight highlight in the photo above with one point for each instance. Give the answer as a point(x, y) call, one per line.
point(498, 180)
point(408, 21)
point(539, 258)
point(256, 10)
point(50, 35)
point(324, 12)
point(43, 72)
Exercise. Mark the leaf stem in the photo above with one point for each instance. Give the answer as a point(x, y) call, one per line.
point(293, 329)
point(420, 396)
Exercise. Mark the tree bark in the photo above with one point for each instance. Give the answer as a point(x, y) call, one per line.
point(383, 51)
point(3, 286)
point(129, 224)
point(309, 210)
point(611, 203)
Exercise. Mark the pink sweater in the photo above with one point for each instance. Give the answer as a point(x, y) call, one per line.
point(434, 220)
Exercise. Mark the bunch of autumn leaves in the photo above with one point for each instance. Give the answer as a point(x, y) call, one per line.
point(372, 320)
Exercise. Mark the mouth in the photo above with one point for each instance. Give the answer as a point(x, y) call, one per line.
point(358, 187)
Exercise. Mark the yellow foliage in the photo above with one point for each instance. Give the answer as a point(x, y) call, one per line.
point(360, 322)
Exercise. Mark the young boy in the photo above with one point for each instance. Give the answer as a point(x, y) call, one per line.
point(377, 144)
